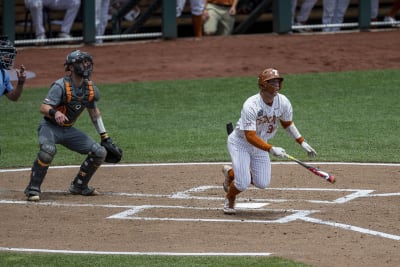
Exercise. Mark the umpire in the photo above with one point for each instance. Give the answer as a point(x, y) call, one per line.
point(66, 100)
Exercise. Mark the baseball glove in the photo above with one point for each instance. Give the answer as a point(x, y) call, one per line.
point(114, 153)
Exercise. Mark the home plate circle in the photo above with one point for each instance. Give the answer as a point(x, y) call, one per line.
point(248, 205)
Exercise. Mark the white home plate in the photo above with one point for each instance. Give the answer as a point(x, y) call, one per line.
point(248, 205)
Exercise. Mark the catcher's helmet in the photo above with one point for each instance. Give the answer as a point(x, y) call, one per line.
point(78, 56)
point(7, 53)
point(265, 76)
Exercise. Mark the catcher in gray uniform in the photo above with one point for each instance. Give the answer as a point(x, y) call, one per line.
point(67, 98)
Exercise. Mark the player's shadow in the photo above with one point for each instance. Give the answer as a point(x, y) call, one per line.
point(263, 215)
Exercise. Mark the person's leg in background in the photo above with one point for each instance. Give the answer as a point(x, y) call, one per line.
point(340, 11)
point(71, 8)
point(36, 9)
point(391, 17)
point(197, 7)
point(328, 12)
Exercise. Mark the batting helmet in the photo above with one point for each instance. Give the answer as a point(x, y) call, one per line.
point(7, 53)
point(265, 76)
point(79, 57)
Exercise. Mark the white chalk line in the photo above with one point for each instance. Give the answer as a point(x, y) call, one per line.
point(300, 215)
point(262, 254)
point(207, 163)
point(187, 194)
point(352, 228)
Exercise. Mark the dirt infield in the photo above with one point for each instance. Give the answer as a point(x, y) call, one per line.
point(178, 208)
point(171, 209)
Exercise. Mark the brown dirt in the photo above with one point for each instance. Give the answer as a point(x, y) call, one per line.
point(327, 237)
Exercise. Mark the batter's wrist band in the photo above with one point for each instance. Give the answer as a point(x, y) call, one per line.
point(300, 140)
point(52, 112)
point(104, 135)
point(20, 82)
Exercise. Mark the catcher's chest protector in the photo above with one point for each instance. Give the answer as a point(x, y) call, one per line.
point(76, 99)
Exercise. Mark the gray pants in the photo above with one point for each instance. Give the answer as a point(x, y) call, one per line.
point(71, 137)
point(36, 9)
point(333, 13)
point(304, 12)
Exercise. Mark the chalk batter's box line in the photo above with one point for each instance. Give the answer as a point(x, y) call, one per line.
point(134, 214)
point(189, 194)
point(356, 193)
point(297, 215)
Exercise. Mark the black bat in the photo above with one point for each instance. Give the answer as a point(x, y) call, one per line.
point(229, 128)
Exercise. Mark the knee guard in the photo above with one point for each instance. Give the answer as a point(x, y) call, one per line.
point(97, 154)
point(46, 153)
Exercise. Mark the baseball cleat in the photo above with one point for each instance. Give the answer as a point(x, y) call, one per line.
point(228, 180)
point(31, 194)
point(33, 198)
point(229, 206)
point(84, 191)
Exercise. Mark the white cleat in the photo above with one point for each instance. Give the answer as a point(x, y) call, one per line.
point(229, 207)
point(33, 198)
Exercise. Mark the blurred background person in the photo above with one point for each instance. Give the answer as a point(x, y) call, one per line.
point(391, 17)
point(374, 10)
point(333, 13)
point(302, 16)
point(197, 9)
point(219, 17)
point(71, 8)
point(102, 7)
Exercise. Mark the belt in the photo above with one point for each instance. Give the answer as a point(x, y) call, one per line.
point(221, 5)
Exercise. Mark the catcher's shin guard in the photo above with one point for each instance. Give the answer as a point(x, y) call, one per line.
point(39, 171)
point(79, 185)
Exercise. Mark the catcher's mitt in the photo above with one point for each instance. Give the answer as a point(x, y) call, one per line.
point(114, 153)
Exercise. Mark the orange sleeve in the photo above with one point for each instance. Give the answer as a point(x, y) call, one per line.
point(256, 141)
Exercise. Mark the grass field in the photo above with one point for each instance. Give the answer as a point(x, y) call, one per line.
point(345, 116)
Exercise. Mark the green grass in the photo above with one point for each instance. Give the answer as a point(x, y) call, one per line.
point(345, 116)
point(19, 259)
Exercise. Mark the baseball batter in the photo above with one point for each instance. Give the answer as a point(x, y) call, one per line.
point(67, 98)
point(248, 144)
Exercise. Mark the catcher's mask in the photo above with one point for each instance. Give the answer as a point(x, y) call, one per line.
point(81, 61)
point(267, 75)
point(7, 53)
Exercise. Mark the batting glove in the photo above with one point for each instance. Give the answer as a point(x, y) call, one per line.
point(277, 151)
point(310, 151)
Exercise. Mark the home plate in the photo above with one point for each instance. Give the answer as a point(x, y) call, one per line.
point(248, 205)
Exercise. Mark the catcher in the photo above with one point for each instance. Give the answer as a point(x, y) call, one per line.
point(66, 100)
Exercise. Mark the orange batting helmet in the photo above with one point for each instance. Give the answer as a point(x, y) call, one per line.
point(265, 76)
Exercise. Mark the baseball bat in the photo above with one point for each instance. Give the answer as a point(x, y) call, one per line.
point(316, 171)
point(229, 128)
